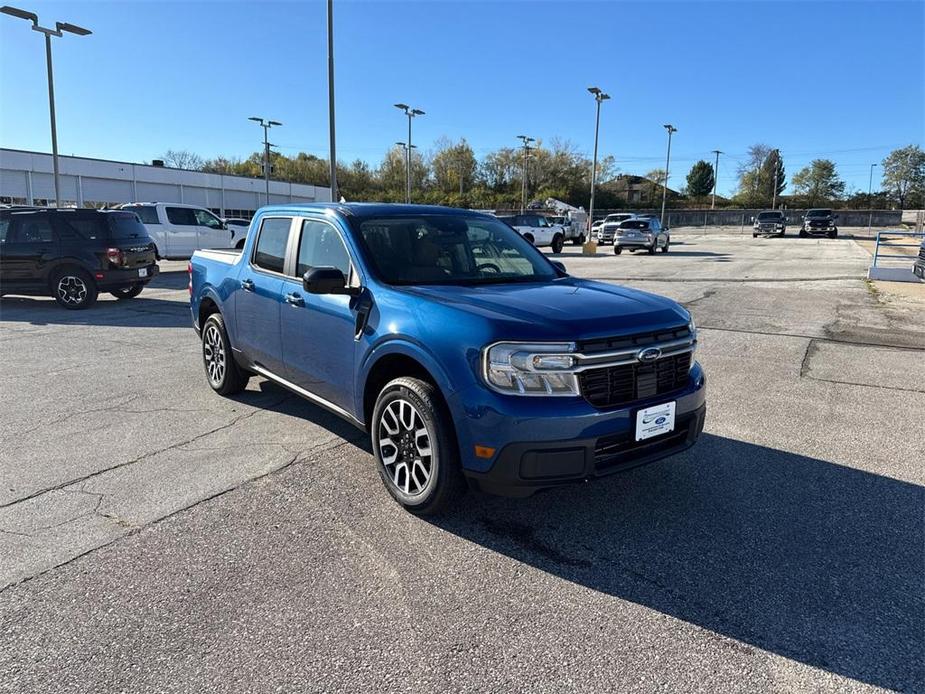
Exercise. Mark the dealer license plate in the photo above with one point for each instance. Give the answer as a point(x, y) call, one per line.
point(655, 420)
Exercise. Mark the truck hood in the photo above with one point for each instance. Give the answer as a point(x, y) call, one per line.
point(567, 308)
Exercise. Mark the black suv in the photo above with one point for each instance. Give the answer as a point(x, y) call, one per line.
point(819, 221)
point(918, 267)
point(74, 254)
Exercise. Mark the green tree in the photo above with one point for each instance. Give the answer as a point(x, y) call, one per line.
point(454, 166)
point(904, 174)
point(700, 179)
point(819, 182)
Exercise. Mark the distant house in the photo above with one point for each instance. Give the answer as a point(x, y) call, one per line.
point(638, 190)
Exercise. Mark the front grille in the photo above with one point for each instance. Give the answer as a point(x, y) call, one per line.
point(612, 386)
point(612, 452)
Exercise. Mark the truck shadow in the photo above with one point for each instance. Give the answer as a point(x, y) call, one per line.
point(804, 558)
point(141, 312)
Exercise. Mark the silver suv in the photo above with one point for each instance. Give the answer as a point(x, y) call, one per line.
point(608, 229)
point(641, 233)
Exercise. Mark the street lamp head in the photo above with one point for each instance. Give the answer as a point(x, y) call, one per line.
point(403, 107)
point(670, 128)
point(21, 14)
point(603, 97)
point(275, 122)
point(594, 90)
point(72, 28)
point(417, 112)
point(255, 118)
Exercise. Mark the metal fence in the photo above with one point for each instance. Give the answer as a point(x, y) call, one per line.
point(888, 265)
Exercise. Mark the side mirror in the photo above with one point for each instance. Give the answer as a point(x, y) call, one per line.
point(559, 266)
point(326, 280)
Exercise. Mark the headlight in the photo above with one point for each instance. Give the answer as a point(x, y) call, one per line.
point(522, 368)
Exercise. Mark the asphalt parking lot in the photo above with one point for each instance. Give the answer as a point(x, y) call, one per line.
point(156, 537)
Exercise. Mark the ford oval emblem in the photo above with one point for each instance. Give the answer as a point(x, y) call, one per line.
point(661, 420)
point(649, 354)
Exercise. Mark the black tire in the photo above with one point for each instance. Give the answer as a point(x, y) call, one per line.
point(529, 238)
point(665, 247)
point(73, 288)
point(403, 408)
point(222, 372)
point(157, 254)
point(802, 233)
point(557, 243)
point(240, 244)
point(833, 234)
point(578, 240)
point(754, 235)
point(617, 249)
point(128, 292)
point(652, 248)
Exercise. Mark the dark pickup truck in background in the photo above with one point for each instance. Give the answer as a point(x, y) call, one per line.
point(72, 254)
point(819, 221)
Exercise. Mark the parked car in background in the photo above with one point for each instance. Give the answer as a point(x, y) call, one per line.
point(608, 228)
point(538, 230)
point(72, 254)
point(641, 234)
point(466, 354)
point(819, 221)
point(769, 222)
point(178, 230)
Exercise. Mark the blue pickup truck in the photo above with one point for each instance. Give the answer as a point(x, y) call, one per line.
point(469, 357)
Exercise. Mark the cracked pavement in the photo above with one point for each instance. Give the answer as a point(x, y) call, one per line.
point(157, 537)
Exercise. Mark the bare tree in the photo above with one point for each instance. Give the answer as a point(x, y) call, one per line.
point(183, 159)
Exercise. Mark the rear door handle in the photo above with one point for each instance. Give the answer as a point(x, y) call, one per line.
point(247, 285)
point(295, 299)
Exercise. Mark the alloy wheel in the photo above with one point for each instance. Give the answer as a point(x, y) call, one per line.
point(213, 351)
point(72, 290)
point(404, 447)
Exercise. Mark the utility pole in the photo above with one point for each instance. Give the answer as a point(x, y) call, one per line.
point(57, 31)
point(523, 179)
point(715, 178)
point(411, 113)
point(333, 153)
point(671, 129)
point(599, 97)
point(266, 125)
point(870, 200)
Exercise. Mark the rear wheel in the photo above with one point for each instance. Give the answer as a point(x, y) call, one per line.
point(223, 373)
point(557, 243)
point(578, 240)
point(74, 289)
point(415, 448)
point(128, 292)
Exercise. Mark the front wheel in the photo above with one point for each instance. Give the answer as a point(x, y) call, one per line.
point(665, 247)
point(529, 238)
point(224, 375)
point(617, 250)
point(557, 243)
point(802, 233)
point(74, 289)
point(127, 292)
point(415, 447)
point(652, 248)
point(833, 233)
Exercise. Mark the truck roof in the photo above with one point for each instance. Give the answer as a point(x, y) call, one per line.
point(364, 210)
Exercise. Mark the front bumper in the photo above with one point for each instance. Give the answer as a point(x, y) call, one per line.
point(114, 279)
point(547, 442)
point(819, 229)
point(769, 229)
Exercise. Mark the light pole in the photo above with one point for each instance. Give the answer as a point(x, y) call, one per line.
point(599, 97)
point(266, 125)
point(57, 31)
point(411, 113)
point(523, 179)
point(776, 154)
point(870, 200)
point(671, 129)
point(333, 155)
point(715, 178)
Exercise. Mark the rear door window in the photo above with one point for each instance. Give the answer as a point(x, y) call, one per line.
point(270, 250)
point(147, 213)
point(181, 216)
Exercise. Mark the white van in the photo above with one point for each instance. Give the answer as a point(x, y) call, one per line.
point(178, 230)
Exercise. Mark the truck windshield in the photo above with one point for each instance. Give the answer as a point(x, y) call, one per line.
point(819, 213)
point(769, 215)
point(445, 249)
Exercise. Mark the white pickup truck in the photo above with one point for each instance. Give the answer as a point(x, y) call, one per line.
point(179, 230)
point(538, 230)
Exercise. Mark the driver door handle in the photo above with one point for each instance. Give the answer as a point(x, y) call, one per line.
point(295, 299)
point(247, 285)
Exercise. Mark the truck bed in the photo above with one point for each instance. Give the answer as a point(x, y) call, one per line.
point(228, 256)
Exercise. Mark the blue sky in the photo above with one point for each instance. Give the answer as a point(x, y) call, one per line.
point(841, 80)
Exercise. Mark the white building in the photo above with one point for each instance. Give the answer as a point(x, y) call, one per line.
point(26, 178)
